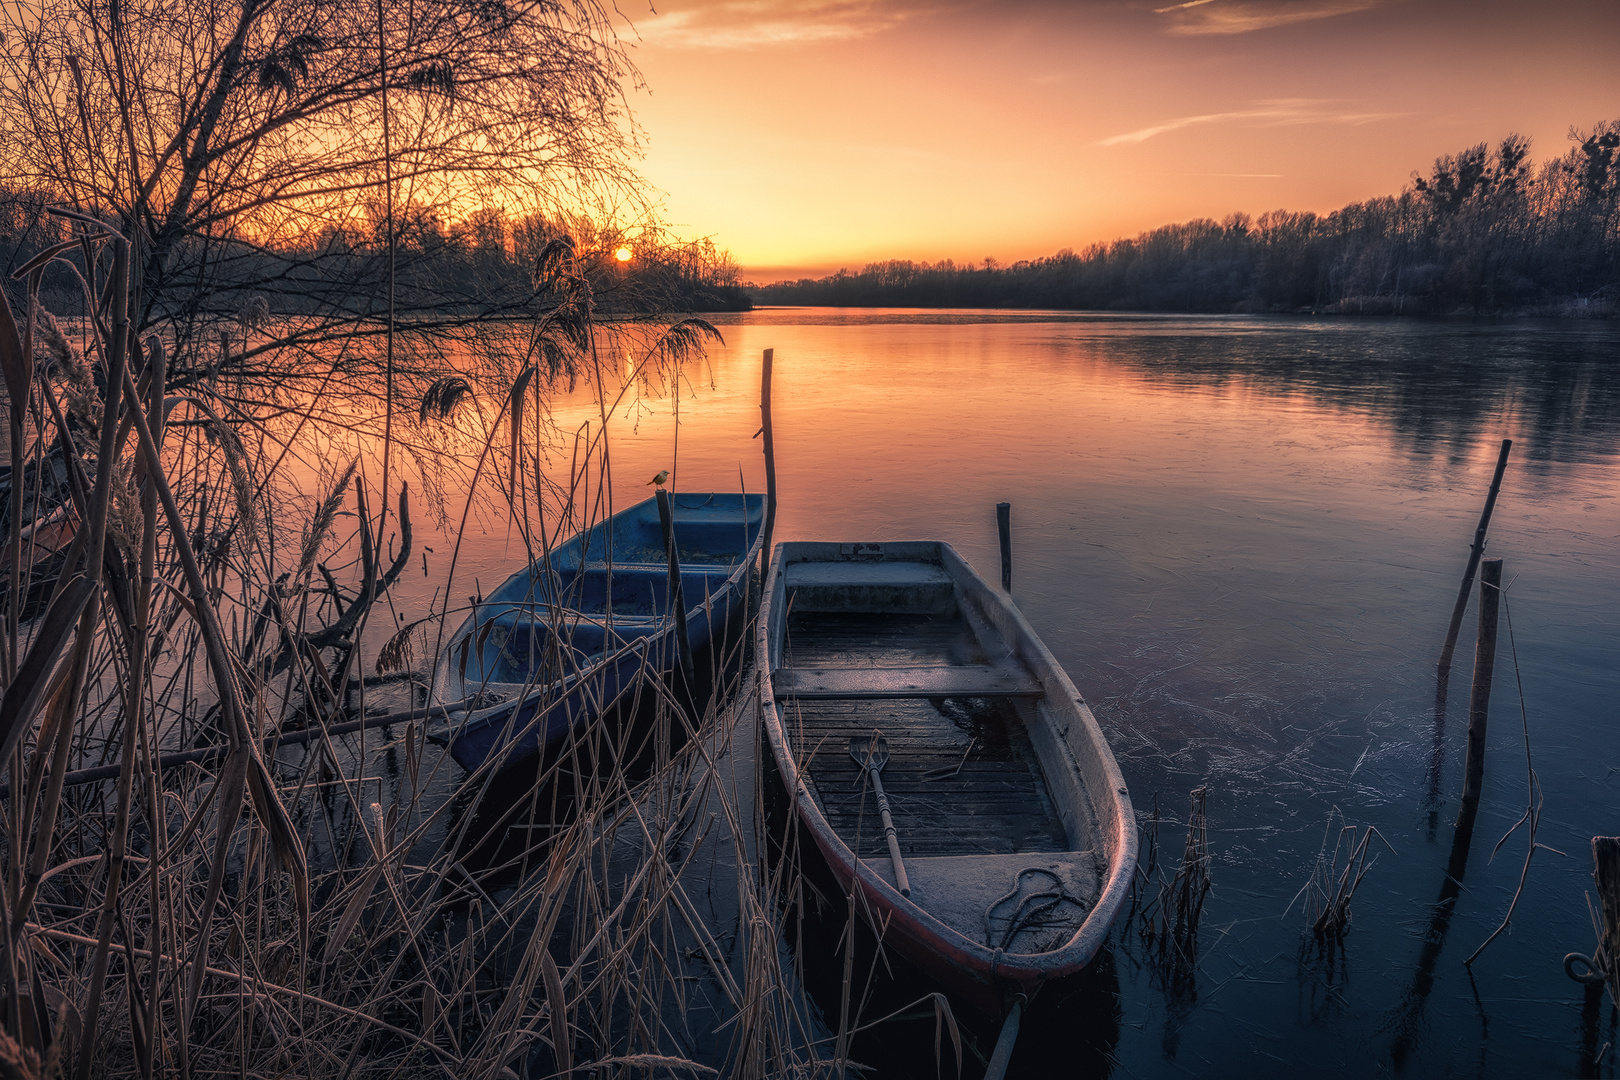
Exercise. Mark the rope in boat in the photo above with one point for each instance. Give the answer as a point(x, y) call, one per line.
point(1030, 910)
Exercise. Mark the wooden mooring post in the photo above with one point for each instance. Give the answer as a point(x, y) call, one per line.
point(1474, 553)
point(770, 458)
point(1479, 698)
point(677, 597)
point(1004, 529)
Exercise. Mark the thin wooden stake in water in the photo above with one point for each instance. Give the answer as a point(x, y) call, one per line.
point(677, 599)
point(1479, 700)
point(1474, 554)
point(770, 458)
point(1004, 529)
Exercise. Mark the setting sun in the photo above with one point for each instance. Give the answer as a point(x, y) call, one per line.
point(622, 254)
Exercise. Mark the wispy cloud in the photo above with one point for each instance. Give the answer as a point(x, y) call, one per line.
point(1221, 175)
point(1265, 114)
point(755, 24)
point(1244, 16)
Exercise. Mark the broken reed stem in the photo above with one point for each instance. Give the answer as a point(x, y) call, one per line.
point(1330, 888)
point(1193, 880)
point(1148, 864)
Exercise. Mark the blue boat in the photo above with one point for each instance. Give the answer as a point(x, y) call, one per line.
point(562, 640)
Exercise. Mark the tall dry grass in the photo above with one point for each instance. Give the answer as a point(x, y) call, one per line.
point(208, 870)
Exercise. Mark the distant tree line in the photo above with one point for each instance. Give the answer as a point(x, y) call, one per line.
point(1483, 232)
point(480, 266)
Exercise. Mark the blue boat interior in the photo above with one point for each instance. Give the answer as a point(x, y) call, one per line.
point(552, 619)
point(710, 529)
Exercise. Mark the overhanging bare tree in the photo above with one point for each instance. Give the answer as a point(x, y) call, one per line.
point(241, 144)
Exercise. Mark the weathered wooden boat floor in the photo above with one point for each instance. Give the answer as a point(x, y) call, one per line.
point(997, 804)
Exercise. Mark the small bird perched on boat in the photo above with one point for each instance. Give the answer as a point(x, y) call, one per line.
point(660, 480)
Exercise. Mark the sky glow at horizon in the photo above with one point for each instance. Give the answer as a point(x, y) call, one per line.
point(807, 136)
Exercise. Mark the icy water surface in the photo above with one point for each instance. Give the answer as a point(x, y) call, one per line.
point(1243, 538)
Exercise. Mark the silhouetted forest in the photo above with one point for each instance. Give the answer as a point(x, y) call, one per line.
point(482, 266)
point(1483, 232)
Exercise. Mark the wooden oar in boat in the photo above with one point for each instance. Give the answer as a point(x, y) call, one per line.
point(871, 754)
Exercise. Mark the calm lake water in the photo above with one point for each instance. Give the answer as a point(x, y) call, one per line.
point(1243, 538)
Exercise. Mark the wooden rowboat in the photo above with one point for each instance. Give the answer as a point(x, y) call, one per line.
point(564, 638)
point(1013, 827)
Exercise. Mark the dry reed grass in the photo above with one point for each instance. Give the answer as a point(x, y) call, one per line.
point(1169, 920)
point(329, 906)
point(1331, 885)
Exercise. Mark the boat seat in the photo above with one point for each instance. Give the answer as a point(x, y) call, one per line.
point(871, 587)
point(873, 573)
point(1006, 679)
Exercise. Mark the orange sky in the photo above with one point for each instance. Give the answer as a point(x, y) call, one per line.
point(804, 135)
